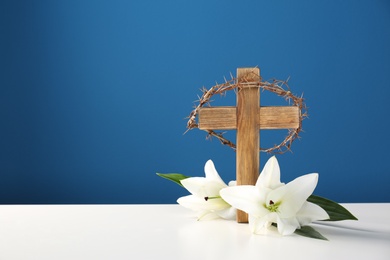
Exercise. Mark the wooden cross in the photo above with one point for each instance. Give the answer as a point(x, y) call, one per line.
point(248, 118)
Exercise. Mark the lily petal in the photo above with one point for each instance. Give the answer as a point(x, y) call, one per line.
point(211, 173)
point(256, 224)
point(245, 197)
point(270, 175)
point(287, 226)
point(198, 204)
point(202, 187)
point(228, 213)
point(311, 212)
point(232, 183)
point(294, 194)
point(262, 225)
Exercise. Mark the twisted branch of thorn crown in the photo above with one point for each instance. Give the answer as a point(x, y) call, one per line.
point(279, 87)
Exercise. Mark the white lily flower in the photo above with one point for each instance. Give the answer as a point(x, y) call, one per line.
point(271, 201)
point(205, 198)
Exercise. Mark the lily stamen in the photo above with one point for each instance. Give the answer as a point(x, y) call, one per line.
point(208, 198)
point(273, 207)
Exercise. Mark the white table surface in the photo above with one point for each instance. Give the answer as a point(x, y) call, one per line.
point(171, 232)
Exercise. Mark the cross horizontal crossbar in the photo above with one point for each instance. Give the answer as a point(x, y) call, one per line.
point(272, 117)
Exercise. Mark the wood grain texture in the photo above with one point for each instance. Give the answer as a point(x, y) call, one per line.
point(225, 118)
point(279, 117)
point(248, 141)
point(222, 118)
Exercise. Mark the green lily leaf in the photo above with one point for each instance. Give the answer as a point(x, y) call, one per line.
point(308, 231)
point(175, 177)
point(335, 211)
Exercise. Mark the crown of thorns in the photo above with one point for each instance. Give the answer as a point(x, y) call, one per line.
point(279, 87)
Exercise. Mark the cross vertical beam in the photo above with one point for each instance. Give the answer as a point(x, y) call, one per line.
point(248, 139)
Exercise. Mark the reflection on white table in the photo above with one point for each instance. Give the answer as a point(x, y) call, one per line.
point(172, 232)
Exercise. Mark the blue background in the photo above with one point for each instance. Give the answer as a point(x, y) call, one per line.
point(94, 94)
